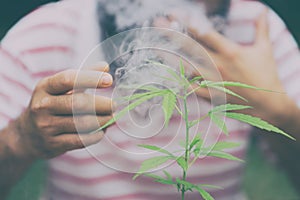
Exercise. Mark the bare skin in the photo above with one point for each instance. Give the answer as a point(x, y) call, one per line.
point(255, 65)
point(49, 127)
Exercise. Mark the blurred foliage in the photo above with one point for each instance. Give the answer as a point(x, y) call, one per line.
point(31, 186)
point(265, 181)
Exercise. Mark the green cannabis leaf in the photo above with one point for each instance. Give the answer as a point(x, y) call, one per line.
point(205, 195)
point(220, 146)
point(160, 179)
point(193, 148)
point(131, 106)
point(219, 154)
point(155, 148)
point(169, 103)
point(217, 119)
point(228, 107)
point(152, 163)
point(257, 122)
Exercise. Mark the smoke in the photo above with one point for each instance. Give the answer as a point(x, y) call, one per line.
point(137, 50)
point(146, 57)
point(140, 13)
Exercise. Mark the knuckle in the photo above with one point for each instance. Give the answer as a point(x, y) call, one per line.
point(41, 83)
point(67, 78)
point(49, 82)
point(43, 124)
point(77, 143)
point(42, 104)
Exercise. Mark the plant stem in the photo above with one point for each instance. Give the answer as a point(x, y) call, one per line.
point(187, 152)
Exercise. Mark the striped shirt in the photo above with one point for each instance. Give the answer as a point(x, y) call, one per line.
point(59, 36)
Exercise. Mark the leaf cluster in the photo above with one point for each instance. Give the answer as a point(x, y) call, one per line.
point(193, 148)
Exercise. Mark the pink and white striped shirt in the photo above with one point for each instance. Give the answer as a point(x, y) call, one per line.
point(59, 36)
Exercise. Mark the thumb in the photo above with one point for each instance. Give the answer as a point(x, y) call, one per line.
point(262, 27)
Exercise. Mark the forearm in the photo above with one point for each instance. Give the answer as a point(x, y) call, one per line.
point(13, 162)
point(291, 121)
point(284, 114)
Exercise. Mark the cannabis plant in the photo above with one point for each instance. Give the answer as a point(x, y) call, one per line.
point(193, 147)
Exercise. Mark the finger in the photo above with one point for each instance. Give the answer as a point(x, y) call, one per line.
point(201, 92)
point(80, 103)
point(211, 70)
point(262, 27)
point(101, 66)
point(74, 141)
point(178, 15)
point(211, 95)
point(216, 42)
point(80, 124)
point(74, 79)
point(162, 22)
point(215, 57)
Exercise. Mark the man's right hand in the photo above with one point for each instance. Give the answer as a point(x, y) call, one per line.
point(59, 110)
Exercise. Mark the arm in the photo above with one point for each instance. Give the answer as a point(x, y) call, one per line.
point(49, 127)
point(256, 65)
point(25, 58)
point(12, 165)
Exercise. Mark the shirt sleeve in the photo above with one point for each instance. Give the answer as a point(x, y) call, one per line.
point(39, 45)
point(287, 55)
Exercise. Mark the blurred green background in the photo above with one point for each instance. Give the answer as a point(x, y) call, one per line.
point(288, 10)
point(12, 10)
point(262, 181)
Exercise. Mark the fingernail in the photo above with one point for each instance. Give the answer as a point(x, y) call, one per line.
point(107, 79)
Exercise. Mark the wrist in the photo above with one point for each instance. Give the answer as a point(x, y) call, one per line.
point(279, 110)
point(16, 143)
point(272, 107)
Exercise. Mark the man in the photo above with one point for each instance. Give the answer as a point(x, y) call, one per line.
point(259, 52)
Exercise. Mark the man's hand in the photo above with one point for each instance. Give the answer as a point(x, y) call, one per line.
point(253, 65)
point(49, 127)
